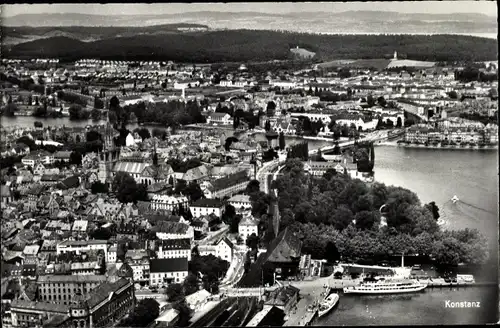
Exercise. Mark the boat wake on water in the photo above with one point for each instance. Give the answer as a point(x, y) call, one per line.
point(476, 207)
point(458, 208)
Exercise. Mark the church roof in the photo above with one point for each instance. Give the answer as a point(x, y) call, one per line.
point(130, 167)
point(284, 248)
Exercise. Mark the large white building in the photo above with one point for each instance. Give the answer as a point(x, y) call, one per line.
point(82, 246)
point(167, 271)
point(174, 248)
point(170, 203)
point(207, 206)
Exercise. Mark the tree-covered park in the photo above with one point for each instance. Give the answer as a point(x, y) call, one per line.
point(335, 209)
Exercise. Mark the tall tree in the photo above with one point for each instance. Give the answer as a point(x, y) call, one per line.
point(282, 141)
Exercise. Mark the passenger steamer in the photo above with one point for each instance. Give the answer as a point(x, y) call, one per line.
point(386, 287)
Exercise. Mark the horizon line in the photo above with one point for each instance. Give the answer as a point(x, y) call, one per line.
point(255, 12)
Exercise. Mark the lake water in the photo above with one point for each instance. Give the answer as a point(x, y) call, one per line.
point(428, 307)
point(435, 175)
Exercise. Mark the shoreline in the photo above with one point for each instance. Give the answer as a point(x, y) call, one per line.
point(449, 147)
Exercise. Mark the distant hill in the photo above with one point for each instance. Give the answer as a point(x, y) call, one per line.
point(359, 22)
point(14, 35)
point(248, 45)
point(55, 47)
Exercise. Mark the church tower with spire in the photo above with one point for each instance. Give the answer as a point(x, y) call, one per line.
point(109, 155)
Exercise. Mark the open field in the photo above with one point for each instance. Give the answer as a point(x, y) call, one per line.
point(410, 63)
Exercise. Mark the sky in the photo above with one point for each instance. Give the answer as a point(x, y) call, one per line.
point(430, 7)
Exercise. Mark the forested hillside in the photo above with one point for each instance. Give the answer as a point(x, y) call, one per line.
point(249, 45)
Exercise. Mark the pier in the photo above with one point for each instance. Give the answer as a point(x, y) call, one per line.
point(437, 283)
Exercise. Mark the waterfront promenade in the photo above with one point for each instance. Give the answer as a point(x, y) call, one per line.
point(311, 293)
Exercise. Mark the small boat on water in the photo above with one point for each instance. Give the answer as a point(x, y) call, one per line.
point(328, 304)
point(454, 199)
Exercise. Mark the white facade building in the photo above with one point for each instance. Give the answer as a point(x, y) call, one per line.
point(82, 246)
point(167, 271)
point(247, 227)
point(174, 248)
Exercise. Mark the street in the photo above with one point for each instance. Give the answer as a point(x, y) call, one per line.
point(235, 271)
point(262, 174)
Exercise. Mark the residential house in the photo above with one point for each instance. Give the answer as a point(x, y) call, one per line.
point(240, 202)
point(32, 195)
point(111, 254)
point(219, 119)
point(79, 227)
point(24, 176)
point(138, 260)
point(168, 318)
point(200, 226)
point(64, 156)
point(6, 195)
point(38, 156)
point(39, 169)
point(89, 160)
point(248, 226)
point(225, 249)
point(127, 231)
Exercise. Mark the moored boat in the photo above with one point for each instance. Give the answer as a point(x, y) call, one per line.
point(328, 304)
point(387, 287)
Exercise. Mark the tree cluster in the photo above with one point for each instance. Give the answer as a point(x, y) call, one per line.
point(300, 150)
point(177, 297)
point(470, 74)
point(335, 208)
point(212, 269)
point(127, 190)
point(172, 113)
point(72, 98)
point(260, 200)
point(76, 112)
point(144, 313)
